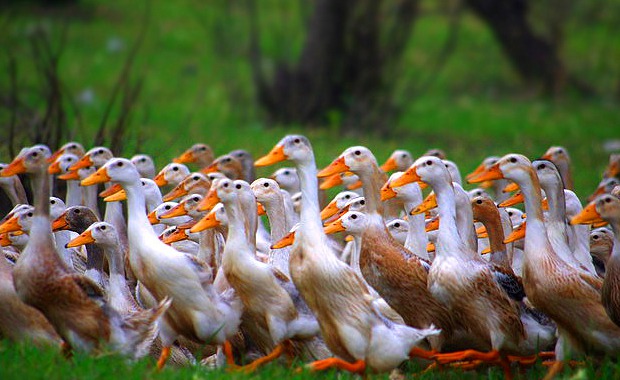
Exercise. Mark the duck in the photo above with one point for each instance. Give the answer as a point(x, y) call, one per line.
point(550, 181)
point(399, 276)
point(561, 159)
point(199, 154)
point(13, 188)
point(462, 281)
point(18, 320)
point(607, 207)
point(557, 289)
point(89, 193)
point(498, 186)
point(247, 162)
point(196, 312)
point(269, 308)
point(171, 174)
point(145, 165)
point(601, 244)
point(604, 187)
point(71, 147)
point(399, 229)
point(400, 160)
point(61, 166)
point(78, 219)
point(287, 179)
point(154, 217)
point(195, 183)
point(41, 279)
point(411, 196)
point(226, 164)
point(152, 196)
point(350, 323)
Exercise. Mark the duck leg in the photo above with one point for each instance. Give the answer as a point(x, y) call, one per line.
point(228, 353)
point(358, 367)
point(554, 369)
point(273, 355)
point(163, 357)
point(417, 352)
point(491, 356)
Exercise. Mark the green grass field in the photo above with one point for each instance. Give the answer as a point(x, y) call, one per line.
point(198, 87)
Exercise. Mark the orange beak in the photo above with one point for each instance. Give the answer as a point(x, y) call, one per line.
point(429, 203)
point(430, 247)
point(177, 192)
point(153, 218)
point(432, 225)
point(111, 190)
point(208, 221)
point(510, 188)
point(599, 190)
point(178, 210)
point(486, 184)
point(481, 168)
point(410, 175)
point(185, 158)
point(602, 223)
point(387, 192)
point(70, 176)
point(485, 251)
point(488, 174)
point(588, 215)
point(210, 169)
point(54, 168)
point(513, 200)
point(100, 176)
point(60, 223)
point(547, 157)
point(84, 162)
point(260, 209)
point(85, 238)
point(516, 234)
point(482, 232)
point(337, 166)
point(389, 165)
point(160, 180)
point(5, 241)
point(334, 227)
point(208, 202)
point(54, 156)
point(331, 181)
point(355, 185)
point(177, 235)
point(274, 156)
point(11, 225)
point(14, 168)
point(330, 210)
point(116, 197)
point(287, 240)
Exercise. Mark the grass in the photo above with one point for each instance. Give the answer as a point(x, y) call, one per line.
point(198, 87)
point(20, 361)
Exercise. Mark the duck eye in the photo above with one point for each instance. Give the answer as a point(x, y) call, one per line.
point(266, 184)
point(226, 159)
point(167, 207)
point(53, 202)
point(429, 162)
point(595, 237)
point(102, 228)
point(560, 151)
point(100, 151)
point(357, 152)
point(362, 202)
point(404, 155)
point(203, 148)
point(396, 225)
point(607, 200)
point(513, 160)
point(119, 164)
point(353, 216)
point(347, 196)
point(509, 213)
point(297, 141)
point(226, 184)
point(195, 178)
point(34, 154)
point(143, 160)
point(287, 172)
point(479, 201)
point(77, 211)
point(238, 186)
point(541, 166)
point(176, 169)
point(30, 214)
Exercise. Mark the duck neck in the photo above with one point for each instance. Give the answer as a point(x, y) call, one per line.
point(136, 212)
point(74, 194)
point(275, 212)
point(416, 236)
point(41, 186)
point(448, 240)
point(115, 258)
point(237, 229)
point(555, 200)
point(615, 227)
point(536, 240)
point(493, 224)
point(310, 214)
point(370, 178)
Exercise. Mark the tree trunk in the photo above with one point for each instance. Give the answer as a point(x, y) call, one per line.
point(533, 57)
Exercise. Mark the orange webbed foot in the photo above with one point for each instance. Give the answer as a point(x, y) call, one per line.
point(358, 367)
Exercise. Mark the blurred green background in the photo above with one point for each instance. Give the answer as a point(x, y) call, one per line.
point(156, 76)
